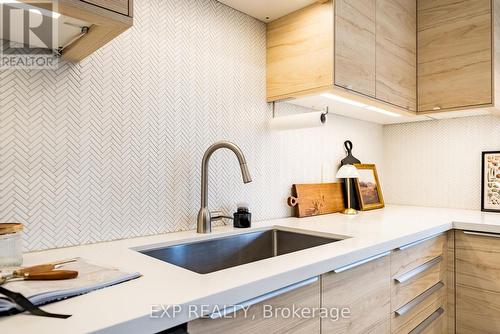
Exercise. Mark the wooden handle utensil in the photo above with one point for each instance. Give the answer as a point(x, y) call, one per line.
point(51, 275)
point(34, 269)
point(42, 272)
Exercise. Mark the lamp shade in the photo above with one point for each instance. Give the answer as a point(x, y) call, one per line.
point(347, 172)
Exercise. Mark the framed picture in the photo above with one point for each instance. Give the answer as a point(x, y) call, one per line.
point(368, 187)
point(490, 188)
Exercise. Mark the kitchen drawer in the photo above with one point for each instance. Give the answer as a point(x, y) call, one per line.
point(409, 285)
point(409, 257)
point(255, 321)
point(405, 323)
point(365, 290)
point(434, 324)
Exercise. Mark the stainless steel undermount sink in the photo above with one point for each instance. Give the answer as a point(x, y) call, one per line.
point(211, 255)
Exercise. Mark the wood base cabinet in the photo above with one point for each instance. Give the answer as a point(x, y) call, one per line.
point(365, 291)
point(419, 279)
point(477, 282)
point(269, 316)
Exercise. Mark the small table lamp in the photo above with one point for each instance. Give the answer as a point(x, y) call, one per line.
point(348, 172)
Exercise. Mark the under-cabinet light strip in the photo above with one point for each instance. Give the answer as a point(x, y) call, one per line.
point(359, 104)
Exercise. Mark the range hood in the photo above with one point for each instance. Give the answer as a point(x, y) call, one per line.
point(49, 29)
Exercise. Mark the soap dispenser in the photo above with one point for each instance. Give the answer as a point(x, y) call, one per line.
point(242, 217)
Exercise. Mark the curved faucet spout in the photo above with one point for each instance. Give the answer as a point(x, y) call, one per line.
point(204, 219)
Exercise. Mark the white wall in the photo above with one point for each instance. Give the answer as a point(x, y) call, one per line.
point(111, 148)
point(438, 163)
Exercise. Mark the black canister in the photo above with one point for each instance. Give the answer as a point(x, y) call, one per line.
point(242, 217)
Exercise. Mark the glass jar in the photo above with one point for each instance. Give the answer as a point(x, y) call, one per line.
point(11, 245)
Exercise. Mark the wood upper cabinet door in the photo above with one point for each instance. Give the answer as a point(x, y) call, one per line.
point(300, 52)
point(454, 54)
point(266, 317)
point(477, 265)
point(364, 290)
point(355, 45)
point(119, 6)
point(396, 58)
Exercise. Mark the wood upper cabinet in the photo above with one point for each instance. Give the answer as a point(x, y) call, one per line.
point(360, 49)
point(477, 282)
point(455, 64)
point(404, 56)
point(396, 53)
point(300, 52)
point(365, 290)
point(355, 45)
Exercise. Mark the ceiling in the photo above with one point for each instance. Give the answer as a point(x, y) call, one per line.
point(267, 10)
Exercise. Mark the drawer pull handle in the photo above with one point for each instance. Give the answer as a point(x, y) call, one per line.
point(420, 269)
point(417, 300)
point(235, 308)
point(417, 242)
point(356, 264)
point(483, 234)
point(427, 322)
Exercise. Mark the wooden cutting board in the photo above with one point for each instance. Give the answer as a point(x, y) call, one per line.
point(316, 199)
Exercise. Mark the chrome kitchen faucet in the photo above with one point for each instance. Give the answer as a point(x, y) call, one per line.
point(204, 215)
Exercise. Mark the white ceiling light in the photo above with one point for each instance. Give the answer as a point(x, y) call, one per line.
point(382, 111)
point(343, 100)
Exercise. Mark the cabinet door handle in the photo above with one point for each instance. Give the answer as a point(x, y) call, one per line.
point(417, 300)
point(483, 234)
point(235, 308)
point(417, 242)
point(355, 264)
point(427, 322)
point(420, 269)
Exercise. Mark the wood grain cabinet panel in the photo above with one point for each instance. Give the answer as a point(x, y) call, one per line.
point(119, 6)
point(355, 45)
point(477, 265)
point(332, 47)
point(454, 54)
point(300, 51)
point(419, 278)
point(365, 290)
point(403, 293)
point(407, 259)
point(257, 319)
point(396, 58)
point(404, 324)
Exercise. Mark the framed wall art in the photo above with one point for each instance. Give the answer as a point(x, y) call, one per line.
point(490, 187)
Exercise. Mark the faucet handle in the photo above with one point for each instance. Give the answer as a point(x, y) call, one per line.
point(217, 216)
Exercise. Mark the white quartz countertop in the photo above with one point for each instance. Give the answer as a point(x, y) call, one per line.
point(126, 308)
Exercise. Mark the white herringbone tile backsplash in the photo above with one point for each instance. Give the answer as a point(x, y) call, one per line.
point(438, 163)
point(111, 148)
